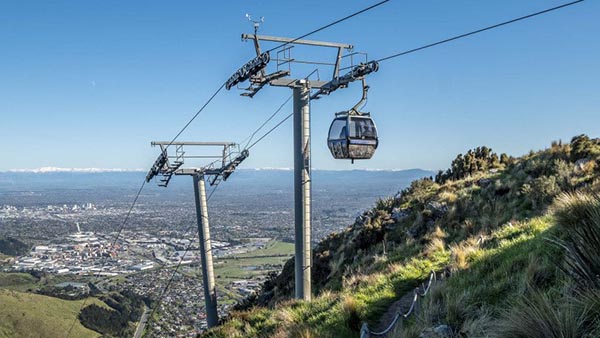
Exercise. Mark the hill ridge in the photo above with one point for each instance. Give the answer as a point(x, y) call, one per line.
point(435, 225)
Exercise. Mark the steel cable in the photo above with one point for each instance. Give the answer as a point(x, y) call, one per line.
point(329, 25)
point(478, 31)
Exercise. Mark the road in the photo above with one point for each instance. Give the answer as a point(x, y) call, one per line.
point(142, 323)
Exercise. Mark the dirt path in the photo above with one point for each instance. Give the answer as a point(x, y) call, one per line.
point(402, 305)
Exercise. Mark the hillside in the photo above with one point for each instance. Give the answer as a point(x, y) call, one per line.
point(12, 247)
point(31, 315)
point(514, 242)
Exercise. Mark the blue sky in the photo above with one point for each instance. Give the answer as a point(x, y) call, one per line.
point(90, 84)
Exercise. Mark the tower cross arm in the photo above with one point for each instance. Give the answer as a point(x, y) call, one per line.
point(299, 42)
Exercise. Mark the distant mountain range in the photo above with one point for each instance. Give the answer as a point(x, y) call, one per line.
point(56, 187)
point(44, 170)
point(89, 178)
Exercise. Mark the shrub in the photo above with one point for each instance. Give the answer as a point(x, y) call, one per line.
point(583, 147)
point(385, 203)
point(475, 160)
point(103, 320)
point(541, 191)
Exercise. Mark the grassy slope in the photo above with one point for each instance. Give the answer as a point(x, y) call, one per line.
point(273, 248)
point(236, 266)
point(17, 281)
point(512, 261)
point(249, 265)
point(357, 282)
point(31, 315)
point(496, 271)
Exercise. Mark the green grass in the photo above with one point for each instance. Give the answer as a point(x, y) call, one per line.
point(17, 281)
point(500, 270)
point(514, 262)
point(272, 248)
point(24, 282)
point(236, 266)
point(31, 315)
point(327, 315)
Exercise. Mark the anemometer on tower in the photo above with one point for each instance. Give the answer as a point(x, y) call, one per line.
point(255, 22)
point(352, 134)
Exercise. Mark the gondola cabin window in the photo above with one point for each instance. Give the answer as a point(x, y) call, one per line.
point(337, 130)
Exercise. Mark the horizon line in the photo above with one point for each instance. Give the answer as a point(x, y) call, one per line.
point(47, 170)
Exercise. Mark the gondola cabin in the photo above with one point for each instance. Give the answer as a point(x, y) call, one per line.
point(352, 136)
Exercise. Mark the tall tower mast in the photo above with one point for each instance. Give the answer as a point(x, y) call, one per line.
point(255, 72)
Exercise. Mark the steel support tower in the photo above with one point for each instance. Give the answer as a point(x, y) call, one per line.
point(208, 276)
point(302, 170)
point(254, 72)
point(302, 193)
point(168, 165)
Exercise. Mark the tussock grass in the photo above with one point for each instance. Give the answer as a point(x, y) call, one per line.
point(578, 215)
point(436, 245)
point(541, 272)
point(537, 316)
point(350, 311)
point(462, 253)
point(573, 209)
point(479, 325)
point(589, 301)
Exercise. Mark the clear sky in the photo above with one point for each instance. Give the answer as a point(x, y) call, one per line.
point(91, 83)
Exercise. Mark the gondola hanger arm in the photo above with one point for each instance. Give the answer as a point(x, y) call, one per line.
point(355, 110)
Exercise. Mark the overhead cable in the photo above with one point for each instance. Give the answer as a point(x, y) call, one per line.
point(330, 24)
point(248, 139)
point(479, 31)
point(196, 115)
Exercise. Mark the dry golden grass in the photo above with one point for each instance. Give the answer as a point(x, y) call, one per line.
point(461, 252)
point(357, 279)
point(448, 197)
point(434, 246)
